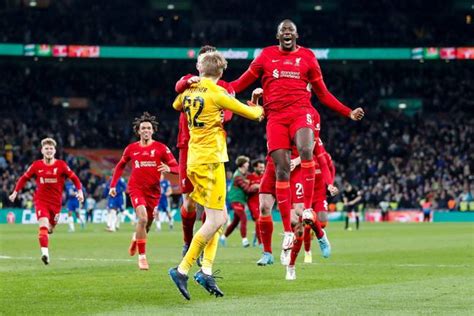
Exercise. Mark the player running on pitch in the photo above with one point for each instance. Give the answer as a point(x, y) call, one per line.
point(50, 174)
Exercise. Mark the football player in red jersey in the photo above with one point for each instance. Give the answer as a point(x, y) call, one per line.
point(188, 209)
point(287, 70)
point(149, 159)
point(252, 202)
point(50, 174)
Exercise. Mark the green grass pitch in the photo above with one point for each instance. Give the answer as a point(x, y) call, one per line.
point(396, 269)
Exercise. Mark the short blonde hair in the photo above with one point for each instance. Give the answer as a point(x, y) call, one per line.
point(212, 64)
point(48, 141)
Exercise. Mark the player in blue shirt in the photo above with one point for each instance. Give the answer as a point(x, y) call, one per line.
point(163, 204)
point(73, 206)
point(115, 205)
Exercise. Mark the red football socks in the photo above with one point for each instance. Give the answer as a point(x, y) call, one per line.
point(266, 232)
point(296, 249)
point(307, 178)
point(316, 226)
point(141, 243)
point(283, 196)
point(188, 220)
point(307, 238)
point(43, 237)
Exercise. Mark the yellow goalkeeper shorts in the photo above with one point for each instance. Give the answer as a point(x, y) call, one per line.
point(209, 184)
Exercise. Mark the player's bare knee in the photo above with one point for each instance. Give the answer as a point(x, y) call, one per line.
point(306, 152)
point(142, 221)
point(283, 173)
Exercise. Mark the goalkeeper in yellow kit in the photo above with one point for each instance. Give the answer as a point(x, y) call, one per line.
point(203, 104)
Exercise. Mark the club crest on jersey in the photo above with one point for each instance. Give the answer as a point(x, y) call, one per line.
point(297, 61)
point(276, 73)
point(152, 153)
point(55, 171)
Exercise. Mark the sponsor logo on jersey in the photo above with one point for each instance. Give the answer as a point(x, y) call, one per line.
point(286, 74)
point(50, 180)
point(290, 74)
point(136, 153)
point(148, 164)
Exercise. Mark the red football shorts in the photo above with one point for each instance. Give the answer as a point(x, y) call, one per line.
point(296, 186)
point(282, 126)
point(185, 183)
point(49, 211)
point(267, 185)
point(150, 202)
point(319, 194)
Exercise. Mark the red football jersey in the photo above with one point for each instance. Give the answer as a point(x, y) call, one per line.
point(183, 129)
point(285, 76)
point(287, 79)
point(253, 178)
point(145, 176)
point(49, 181)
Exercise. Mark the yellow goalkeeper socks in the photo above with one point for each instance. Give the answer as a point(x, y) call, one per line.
point(197, 246)
point(210, 253)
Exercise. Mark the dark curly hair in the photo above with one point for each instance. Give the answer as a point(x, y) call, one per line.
point(145, 117)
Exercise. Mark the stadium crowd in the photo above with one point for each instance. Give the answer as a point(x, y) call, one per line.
point(155, 23)
point(390, 155)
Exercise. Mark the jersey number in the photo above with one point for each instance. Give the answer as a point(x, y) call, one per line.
point(299, 189)
point(198, 103)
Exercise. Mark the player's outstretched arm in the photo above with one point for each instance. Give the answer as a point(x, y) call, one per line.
point(244, 81)
point(118, 170)
point(327, 99)
point(77, 183)
point(21, 182)
point(232, 104)
point(185, 82)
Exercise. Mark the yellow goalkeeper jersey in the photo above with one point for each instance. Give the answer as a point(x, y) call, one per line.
point(203, 104)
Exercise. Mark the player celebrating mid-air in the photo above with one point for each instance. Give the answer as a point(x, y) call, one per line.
point(188, 209)
point(149, 159)
point(203, 104)
point(286, 71)
point(50, 174)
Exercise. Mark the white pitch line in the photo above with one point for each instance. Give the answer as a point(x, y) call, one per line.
point(396, 265)
point(70, 259)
